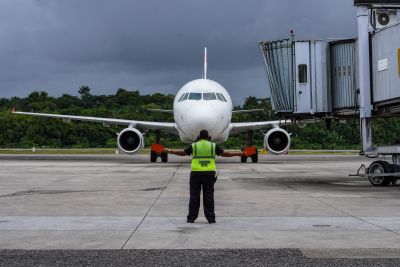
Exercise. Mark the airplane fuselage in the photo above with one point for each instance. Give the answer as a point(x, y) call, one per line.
point(203, 104)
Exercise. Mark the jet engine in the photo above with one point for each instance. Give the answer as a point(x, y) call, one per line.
point(277, 141)
point(130, 141)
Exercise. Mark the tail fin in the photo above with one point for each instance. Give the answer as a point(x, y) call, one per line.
point(205, 62)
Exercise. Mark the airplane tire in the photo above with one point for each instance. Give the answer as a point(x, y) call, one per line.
point(254, 158)
point(243, 159)
point(164, 157)
point(153, 156)
point(380, 167)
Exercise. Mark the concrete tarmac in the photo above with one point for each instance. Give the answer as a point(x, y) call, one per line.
point(90, 202)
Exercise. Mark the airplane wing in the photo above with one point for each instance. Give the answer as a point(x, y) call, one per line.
point(238, 127)
point(246, 110)
point(165, 126)
point(170, 111)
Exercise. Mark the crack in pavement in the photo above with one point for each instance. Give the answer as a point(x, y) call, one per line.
point(152, 205)
point(342, 211)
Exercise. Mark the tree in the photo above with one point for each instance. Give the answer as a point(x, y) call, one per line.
point(24, 131)
point(84, 91)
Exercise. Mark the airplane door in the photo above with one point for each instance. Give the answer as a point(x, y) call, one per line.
point(303, 81)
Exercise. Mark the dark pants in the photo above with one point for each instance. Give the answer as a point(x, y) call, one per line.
point(205, 179)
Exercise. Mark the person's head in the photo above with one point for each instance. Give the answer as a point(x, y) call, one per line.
point(204, 135)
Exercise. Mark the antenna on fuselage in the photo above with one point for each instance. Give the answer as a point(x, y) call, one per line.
point(205, 63)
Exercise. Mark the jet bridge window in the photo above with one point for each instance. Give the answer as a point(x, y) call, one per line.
point(194, 96)
point(221, 97)
point(183, 97)
point(302, 73)
point(209, 96)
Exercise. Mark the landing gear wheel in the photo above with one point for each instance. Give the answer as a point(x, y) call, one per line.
point(164, 157)
point(380, 167)
point(254, 158)
point(243, 159)
point(153, 156)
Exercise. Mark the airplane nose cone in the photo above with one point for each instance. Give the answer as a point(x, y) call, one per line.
point(203, 119)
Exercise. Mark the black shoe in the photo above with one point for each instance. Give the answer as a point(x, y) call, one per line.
point(211, 221)
point(189, 221)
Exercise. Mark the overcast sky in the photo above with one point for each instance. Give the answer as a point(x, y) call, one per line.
point(152, 45)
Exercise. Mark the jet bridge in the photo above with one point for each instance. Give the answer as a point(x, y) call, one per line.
point(341, 78)
point(311, 78)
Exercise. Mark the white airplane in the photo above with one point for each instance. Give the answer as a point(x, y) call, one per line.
point(200, 104)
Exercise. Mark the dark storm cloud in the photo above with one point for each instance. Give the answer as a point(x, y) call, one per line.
point(153, 45)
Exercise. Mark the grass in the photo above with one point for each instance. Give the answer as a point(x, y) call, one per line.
point(59, 151)
point(325, 152)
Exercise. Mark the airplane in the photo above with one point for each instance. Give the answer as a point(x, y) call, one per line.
point(201, 104)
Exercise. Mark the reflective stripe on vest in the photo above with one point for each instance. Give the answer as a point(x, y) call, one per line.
point(203, 156)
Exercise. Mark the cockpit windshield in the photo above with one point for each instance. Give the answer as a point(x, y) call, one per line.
point(202, 96)
point(221, 97)
point(183, 97)
point(209, 96)
point(195, 96)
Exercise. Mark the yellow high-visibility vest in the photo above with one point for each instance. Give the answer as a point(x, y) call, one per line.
point(203, 156)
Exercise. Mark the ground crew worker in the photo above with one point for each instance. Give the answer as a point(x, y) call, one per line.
point(202, 174)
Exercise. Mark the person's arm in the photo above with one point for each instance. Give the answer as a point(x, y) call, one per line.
point(177, 152)
point(220, 152)
point(232, 154)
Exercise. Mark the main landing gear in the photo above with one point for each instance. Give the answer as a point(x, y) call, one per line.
point(155, 148)
point(251, 150)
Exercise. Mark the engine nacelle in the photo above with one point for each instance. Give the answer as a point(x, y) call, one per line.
point(277, 141)
point(130, 141)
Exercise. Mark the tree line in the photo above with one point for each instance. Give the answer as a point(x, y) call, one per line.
point(17, 131)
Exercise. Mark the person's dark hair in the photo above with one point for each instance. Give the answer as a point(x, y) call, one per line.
point(204, 135)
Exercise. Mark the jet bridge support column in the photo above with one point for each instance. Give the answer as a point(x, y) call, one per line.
point(380, 172)
point(364, 77)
